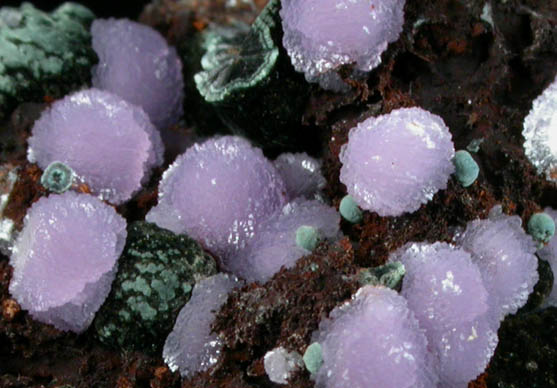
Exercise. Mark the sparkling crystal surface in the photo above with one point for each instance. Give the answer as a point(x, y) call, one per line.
point(191, 347)
point(279, 364)
point(65, 259)
point(301, 174)
point(218, 192)
point(540, 133)
point(136, 63)
point(322, 35)
point(549, 254)
point(110, 144)
point(274, 243)
point(394, 163)
point(374, 339)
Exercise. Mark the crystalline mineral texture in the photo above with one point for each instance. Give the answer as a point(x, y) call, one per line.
point(301, 174)
point(279, 364)
point(136, 63)
point(549, 254)
point(374, 338)
point(191, 347)
point(274, 243)
point(110, 144)
point(218, 192)
point(322, 35)
point(65, 259)
point(396, 162)
point(540, 133)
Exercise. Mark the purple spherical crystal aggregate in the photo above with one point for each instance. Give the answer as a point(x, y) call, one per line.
point(374, 339)
point(504, 253)
point(136, 63)
point(218, 192)
point(274, 244)
point(110, 144)
point(322, 35)
point(549, 254)
point(301, 174)
point(191, 346)
point(394, 163)
point(65, 259)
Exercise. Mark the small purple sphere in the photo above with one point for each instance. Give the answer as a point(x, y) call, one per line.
point(394, 163)
point(65, 259)
point(218, 192)
point(136, 63)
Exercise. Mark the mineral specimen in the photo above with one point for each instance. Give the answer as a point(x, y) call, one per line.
point(374, 338)
point(43, 54)
point(65, 259)
point(541, 227)
point(322, 35)
point(466, 168)
point(191, 346)
point(313, 357)
point(549, 254)
point(396, 162)
point(57, 177)
point(156, 273)
point(349, 210)
point(307, 237)
point(110, 144)
point(275, 242)
point(218, 192)
point(540, 144)
point(279, 364)
point(136, 63)
point(301, 174)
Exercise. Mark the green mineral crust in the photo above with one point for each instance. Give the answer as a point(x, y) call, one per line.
point(156, 274)
point(43, 54)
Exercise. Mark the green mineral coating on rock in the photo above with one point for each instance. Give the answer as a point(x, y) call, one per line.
point(43, 53)
point(388, 275)
point(313, 357)
point(307, 237)
point(541, 227)
point(349, 210)
point(155, 276)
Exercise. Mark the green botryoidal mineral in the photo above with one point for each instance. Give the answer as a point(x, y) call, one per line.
point(541, 227)
point(313, 358)
point(57, 177)
point(43, 54)
point(249, 80)
point(466, 168)
point(389, 275)
point(156, 274)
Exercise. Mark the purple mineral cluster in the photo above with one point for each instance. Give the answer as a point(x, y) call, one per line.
point(64, 260)
point(374, 339)
point(136, 63)
point(394, 163)
point(219, 192)
point(322, 35)
point(191, 346)
point(301, 174)
point(110, 144)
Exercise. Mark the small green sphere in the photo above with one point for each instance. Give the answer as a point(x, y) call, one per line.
point(541, 227)
point(313, 357)
point(466, 168)
point(307, 237)
point(349, 210)
point(57, 177)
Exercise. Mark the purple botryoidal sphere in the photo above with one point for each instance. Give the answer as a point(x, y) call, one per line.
point(394, 163)
point(322, 35)
point(136, 63)
point(374, 339)
point(65, 257)
point(218, 192)
point(109, 143)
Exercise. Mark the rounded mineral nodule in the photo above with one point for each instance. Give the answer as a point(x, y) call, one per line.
point(541, 227)
point(157, 271)
point(57, 177)
point(466, 168)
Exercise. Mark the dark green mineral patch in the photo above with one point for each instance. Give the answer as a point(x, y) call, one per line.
point(43, 54)
point(156, 274)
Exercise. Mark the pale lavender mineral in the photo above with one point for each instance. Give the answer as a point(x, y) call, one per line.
point(274, 244)
point(65, 259)
point(191, 346)
point(110, 144)
point(219, 192)
point(374, 338)
point(136, 63)
point(549, 254)
point(279, 364)
point(505, 256)
point(322, 35)
point(394, 163)
point(301, 174)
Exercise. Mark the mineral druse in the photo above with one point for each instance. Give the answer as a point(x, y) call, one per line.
point(218, 192)
point(43, 54)
point(301, 174)
point(156, 274)
point(191, 346)
point(136, 63)
point(322, 35)
point(274, 244)
point(110, 144)
point(64, 260)
point(396, 162)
